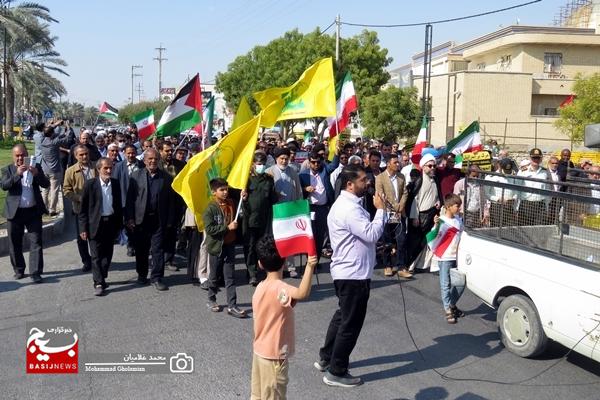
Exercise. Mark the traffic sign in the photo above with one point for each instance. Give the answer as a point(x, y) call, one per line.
point(48, 114)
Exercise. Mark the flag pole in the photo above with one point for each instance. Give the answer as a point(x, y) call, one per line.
point(95, 123)
point(239, 208)
point(359, 124)
point(182, 140)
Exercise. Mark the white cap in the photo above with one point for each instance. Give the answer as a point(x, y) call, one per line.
point(290, 140)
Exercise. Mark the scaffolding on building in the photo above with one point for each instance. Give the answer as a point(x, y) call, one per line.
point(575, 14)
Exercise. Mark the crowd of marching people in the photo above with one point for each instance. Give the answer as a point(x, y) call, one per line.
point(369, 204)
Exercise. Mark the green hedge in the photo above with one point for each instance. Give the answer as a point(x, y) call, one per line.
point(9, 143)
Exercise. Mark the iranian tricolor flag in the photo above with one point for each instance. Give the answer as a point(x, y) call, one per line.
point(421, 143)
point(468, 141)
point(346, 103)
point(441, 237)
point(292, 229)
point(184, 112)
point(144, 122)
point(108, 111)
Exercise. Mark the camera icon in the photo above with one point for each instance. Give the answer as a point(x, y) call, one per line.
point(181, 364)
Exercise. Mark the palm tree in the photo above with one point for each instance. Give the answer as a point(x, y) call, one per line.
point(90, 115)
point(28, 55)
point(35, 91)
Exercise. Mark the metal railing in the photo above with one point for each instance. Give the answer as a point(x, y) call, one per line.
point(559, 219)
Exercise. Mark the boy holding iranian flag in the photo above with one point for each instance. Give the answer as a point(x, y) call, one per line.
point(273, 306)
point(443, 241)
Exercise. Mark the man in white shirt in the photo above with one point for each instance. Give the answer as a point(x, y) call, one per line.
point(500, 202)
point(353, 239)
point(100, 220)
point(533, 206)
point(472, 196)
point(23, 209)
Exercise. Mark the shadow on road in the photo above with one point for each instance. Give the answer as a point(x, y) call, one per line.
point(448, 351)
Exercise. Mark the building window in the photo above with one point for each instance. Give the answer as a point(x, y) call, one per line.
point(552, 63)
point(550, 111)
point(480, 67)
point(504, 62)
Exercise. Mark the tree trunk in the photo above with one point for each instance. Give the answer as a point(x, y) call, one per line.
point(10, 109)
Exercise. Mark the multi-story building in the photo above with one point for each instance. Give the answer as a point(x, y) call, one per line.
point(513, 81)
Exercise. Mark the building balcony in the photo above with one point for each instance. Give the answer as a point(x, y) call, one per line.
point(552, 85)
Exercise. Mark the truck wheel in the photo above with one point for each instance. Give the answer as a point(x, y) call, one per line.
point(520, 326)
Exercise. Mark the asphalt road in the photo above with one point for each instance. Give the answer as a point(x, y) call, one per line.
point(141, 319)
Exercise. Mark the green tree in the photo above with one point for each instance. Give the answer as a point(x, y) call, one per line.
point(127, 112)
point(90, 114)
point(30, 54)
point(391, 114)
point(584, 110)
point(281, 62)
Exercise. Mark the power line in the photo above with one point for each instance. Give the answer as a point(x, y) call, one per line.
point(439, 21)
point(326, 29)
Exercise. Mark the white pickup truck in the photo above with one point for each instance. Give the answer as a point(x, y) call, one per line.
point(543, 278)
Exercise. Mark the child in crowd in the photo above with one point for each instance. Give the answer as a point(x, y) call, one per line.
point(443, 241)
point(219, 228)
point(272, 305)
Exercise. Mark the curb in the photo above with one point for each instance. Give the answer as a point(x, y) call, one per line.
point(50, 230)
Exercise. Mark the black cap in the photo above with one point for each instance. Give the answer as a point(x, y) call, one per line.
point(506, 164)
point(535, 152)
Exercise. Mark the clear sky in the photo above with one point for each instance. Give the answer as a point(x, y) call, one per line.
point(101, 40)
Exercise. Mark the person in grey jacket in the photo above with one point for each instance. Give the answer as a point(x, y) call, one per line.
point(287, 183)
point(50, 152)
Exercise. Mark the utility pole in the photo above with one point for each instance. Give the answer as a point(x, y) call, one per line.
point(426, 100)
point(160, 59)
point(338, 24)
point(133, 75)
point(139, 90)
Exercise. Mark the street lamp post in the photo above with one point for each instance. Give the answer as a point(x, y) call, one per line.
point(133, 75)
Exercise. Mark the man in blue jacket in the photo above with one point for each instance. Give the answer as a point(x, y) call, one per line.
point(317, 189)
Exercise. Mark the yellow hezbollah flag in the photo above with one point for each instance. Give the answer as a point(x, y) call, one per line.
point(332, 145)
point(230, 158)
point(243, 114)
point(313, 95)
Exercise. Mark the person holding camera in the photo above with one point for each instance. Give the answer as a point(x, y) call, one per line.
point(51, 162)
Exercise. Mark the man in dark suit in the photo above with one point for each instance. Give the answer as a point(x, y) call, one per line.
point(172, 166)
point(122, 171)
point(23, 209)
point(84, 139)
point(149, 213)
point(100, 220)
point(316, 187)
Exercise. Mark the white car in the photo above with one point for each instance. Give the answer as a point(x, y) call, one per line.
point(544, 280)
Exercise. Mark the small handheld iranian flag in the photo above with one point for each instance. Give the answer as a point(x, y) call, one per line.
point(292, 229)
point(144, 122)
point(441, 236)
